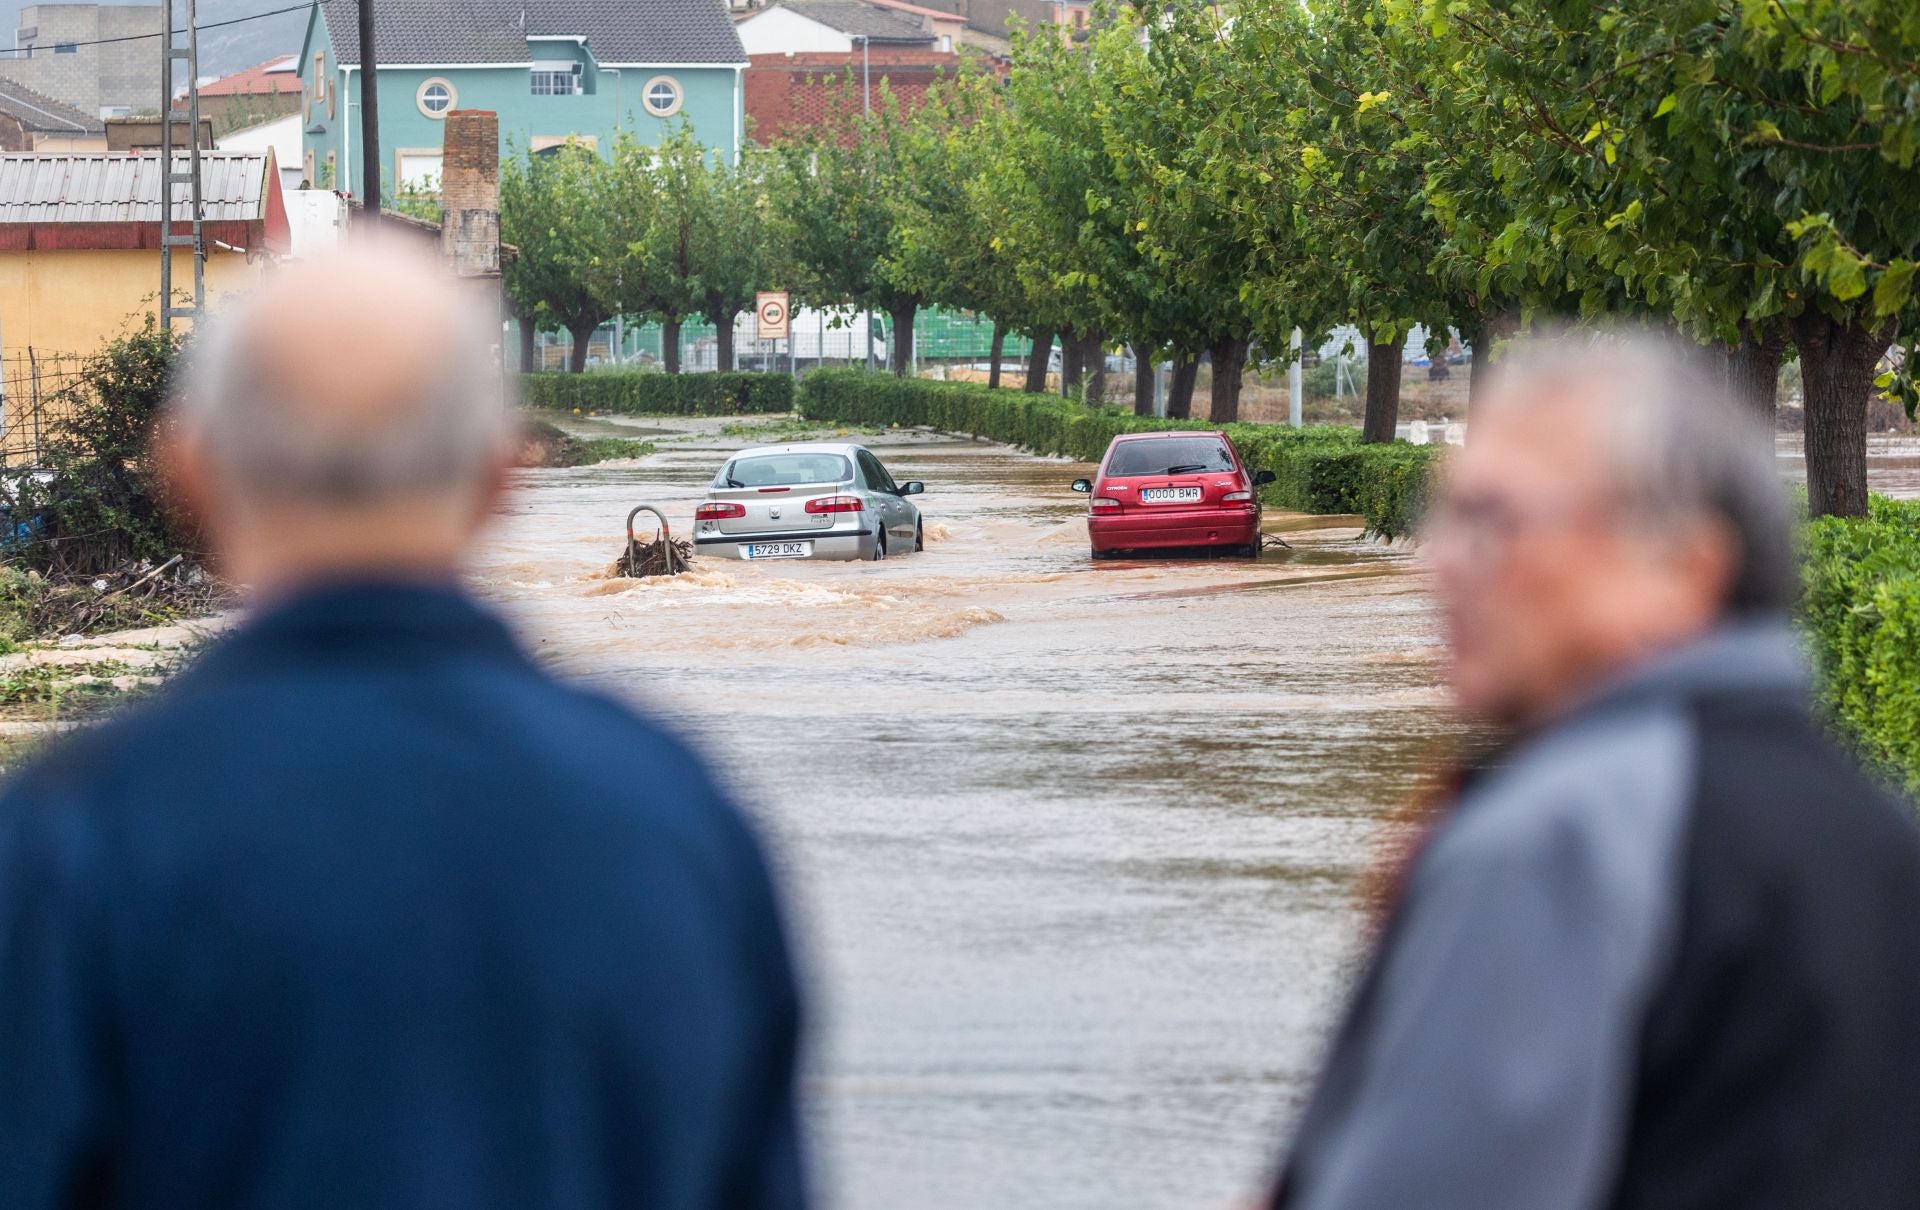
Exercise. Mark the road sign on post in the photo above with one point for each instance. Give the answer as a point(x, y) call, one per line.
point(771, 308)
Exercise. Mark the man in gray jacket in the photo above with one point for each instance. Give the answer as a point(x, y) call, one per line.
point(1664, 949)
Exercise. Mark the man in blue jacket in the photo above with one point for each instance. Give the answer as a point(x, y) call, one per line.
point(365, 911)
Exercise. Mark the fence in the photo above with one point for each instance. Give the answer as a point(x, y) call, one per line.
point(821, 338)
point(34, 400)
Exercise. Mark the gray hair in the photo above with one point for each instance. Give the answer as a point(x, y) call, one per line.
point(1677, 447)
point(270, 437)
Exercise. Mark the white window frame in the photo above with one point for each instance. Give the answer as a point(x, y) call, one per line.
point(420, 97)
point(568, 73)
point(646, 96)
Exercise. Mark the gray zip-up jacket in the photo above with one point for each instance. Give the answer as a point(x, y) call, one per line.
point(1665, 954)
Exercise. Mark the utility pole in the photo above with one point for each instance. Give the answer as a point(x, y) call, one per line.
point(195, 238)
point(866, 109)
point(369, 117)
point(1294, 381)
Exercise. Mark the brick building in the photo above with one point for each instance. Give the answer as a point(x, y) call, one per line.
point(258, 94)
point(792, 92)
point(59, 53)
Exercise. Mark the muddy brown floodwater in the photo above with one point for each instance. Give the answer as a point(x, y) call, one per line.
point(1073, 848)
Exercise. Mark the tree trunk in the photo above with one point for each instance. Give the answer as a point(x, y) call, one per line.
point(902, 318)
point(1071, 344)
point(1753, 367)
point(582, 334)
point(529, 351)
point(1836, 366)
point(723, 336)
point(1144, 380)
point(1037, 361)
point(1480, 369)
point(1229, 355)
point(1186, 368)
point(670, 344)
point(1383, 390)
point(994, 351)
point(1093, 365)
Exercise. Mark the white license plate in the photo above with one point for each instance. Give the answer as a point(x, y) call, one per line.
point(1170, 495)
point(779, 550)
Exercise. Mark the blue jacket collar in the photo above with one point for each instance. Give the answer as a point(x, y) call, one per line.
point(384, 617)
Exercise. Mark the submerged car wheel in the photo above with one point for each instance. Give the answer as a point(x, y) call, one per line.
point(880, 546)
point(919, 536)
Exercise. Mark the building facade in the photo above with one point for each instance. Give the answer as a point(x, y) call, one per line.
point(66, 51)
point(553, 70)
point(80, 242)
point(31, 121)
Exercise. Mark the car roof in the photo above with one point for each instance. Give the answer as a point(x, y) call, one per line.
point(1119, 437)
point(843, 448)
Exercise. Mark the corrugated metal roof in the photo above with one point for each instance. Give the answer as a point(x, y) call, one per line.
point(120, 188)
point(448, 32)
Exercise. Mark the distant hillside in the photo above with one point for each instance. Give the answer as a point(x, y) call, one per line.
point(224, 50)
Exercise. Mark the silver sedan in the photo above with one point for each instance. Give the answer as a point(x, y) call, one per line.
point(820, 500)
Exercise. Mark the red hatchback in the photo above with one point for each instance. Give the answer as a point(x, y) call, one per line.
point(1161, 490)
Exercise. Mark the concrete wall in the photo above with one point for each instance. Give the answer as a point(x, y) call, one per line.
point(76, 301)
point(282, 137)
point(92, 78)
point(780, 31)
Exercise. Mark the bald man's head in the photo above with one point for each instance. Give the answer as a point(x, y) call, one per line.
point(362, 386)
point(343, 382)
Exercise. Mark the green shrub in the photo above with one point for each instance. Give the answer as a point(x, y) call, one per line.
point(650, 393)
point(1861, 614)
point(1320, 469)
point(99, 505)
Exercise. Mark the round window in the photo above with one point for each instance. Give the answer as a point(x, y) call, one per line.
point(662, 96)
point(435, 97)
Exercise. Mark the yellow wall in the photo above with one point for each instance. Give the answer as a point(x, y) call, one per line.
point(70, 142)
point(76, 301)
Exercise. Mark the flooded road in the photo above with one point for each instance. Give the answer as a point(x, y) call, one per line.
point(1073, 847)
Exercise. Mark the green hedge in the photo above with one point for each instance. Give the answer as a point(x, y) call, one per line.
point(1320, 469)
point(1861, 614)
point(651, 393)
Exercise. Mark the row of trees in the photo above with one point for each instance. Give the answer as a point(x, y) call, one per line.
point(1201, 180)
point(670, 233)
point(1194, 180)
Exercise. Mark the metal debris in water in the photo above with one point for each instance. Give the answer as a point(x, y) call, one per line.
point(664, 556)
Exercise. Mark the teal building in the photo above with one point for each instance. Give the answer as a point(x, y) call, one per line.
point(553, 70)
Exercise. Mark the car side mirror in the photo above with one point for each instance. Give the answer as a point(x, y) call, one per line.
point(1262, 478)
point(1083, 485)
point(912, 487)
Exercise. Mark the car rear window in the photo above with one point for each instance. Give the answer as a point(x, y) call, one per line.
point(1159, 455)
point(784, 470)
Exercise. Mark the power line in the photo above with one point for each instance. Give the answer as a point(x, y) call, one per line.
point(295, 8)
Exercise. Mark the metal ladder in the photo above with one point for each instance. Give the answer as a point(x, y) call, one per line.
point(170, 55)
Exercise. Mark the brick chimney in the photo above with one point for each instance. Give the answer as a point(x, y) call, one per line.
point(470, 192)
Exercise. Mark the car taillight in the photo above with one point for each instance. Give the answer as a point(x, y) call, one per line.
point(835, 504)
point(1104, 502)
point(1237, 498)
point(715, 512)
